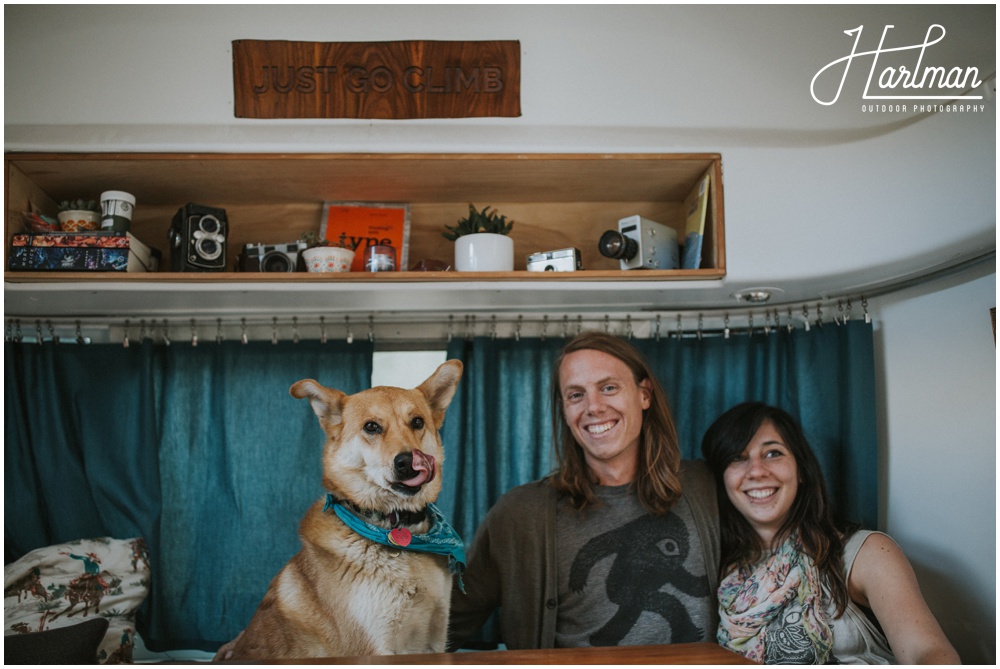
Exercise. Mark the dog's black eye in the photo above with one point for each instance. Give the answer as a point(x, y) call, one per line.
point(417, 423)
point(371, 427)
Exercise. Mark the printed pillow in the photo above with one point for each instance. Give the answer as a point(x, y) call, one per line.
point(62, 585)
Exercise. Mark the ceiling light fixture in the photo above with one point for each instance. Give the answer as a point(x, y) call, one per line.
point(756, 295)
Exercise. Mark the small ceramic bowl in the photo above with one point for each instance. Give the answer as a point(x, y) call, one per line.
point(79, 220)
point(328, 259)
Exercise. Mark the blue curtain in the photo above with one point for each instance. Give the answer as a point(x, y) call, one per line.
point(498, 432)
point(201, 450)
point(825, 378)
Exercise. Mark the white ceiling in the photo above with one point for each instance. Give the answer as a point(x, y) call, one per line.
point(820, 199)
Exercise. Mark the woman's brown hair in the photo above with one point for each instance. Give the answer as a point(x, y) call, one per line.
point(656, 481)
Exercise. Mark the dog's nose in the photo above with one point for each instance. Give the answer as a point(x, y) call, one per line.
point(402, 464)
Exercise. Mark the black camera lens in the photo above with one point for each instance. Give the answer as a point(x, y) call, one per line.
point(276, 261)
point(208, 249)
point(209, 224)
point(614, 244)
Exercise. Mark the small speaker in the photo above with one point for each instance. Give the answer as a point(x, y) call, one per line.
point(198, 239)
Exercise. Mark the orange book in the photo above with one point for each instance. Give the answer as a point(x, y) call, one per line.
point(359, 225)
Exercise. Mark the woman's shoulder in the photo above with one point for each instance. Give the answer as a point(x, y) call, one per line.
point(857, 539)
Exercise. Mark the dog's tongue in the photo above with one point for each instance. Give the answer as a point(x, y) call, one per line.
point(423, 464)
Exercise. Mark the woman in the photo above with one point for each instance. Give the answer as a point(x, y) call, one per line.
point(795, 589)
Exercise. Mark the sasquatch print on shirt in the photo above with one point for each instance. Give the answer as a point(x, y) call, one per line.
point(649, 553)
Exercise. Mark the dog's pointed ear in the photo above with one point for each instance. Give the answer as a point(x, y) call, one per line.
point(439, 388)
point(326, 403)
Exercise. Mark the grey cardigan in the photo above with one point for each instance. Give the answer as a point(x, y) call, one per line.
point(512, 564)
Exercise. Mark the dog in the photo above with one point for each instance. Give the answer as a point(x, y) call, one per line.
point(346, 593)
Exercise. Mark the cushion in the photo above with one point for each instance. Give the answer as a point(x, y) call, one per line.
point(76, 644)
point(62, 585)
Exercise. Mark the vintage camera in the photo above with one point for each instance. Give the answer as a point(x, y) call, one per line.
point(562, 260)
point(273, 258)
point(198, 239)
point(641, 243)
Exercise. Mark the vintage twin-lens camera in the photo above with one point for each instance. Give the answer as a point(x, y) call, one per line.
point(272, 258)
point(641, 243)
point(562, 260)
point(198, 239)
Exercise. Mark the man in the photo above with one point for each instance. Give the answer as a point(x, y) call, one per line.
point(620, 545)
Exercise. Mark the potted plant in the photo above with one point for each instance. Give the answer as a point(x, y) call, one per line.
point(322, 255)
point(481, 241)
point(79, 215)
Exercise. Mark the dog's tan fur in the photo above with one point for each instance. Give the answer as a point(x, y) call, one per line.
point(343, 595)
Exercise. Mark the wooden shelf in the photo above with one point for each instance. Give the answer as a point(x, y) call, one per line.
point(557, 201)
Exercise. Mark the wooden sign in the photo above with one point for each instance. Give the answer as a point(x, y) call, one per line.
point(391, 80)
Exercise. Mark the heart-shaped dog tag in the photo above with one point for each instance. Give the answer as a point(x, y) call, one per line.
point(400, 536)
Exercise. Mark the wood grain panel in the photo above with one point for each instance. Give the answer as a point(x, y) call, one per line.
point(388, 80)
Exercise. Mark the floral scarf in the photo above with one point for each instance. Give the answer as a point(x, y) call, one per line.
point(750, 598)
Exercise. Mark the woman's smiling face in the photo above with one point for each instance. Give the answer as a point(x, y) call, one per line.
point(603, 407)
point(762, 482)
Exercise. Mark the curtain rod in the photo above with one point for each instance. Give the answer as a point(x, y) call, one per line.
point(436, 327)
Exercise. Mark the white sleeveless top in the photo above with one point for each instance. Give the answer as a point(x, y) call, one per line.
point(856, 640)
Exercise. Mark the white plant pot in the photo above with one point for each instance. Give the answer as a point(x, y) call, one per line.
point(484, 252)
point(328, 259)
point(79, 220)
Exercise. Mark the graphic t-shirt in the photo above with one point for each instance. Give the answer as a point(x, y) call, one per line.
point(627, 577)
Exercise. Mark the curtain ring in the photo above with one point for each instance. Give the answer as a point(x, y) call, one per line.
point(805, 316)
point(819, 315)
point(218, 330)
point(38, 332)
point(545, 326)
point(451, 326)
point(767, 322)
point(657, 327)
point(679, 330)
point(725, 331)
point(579, 324)
point(371, 328)
point(565, 330)
point(350, 335)
point(517, 331)
point(700, 322)
point(840, 313)
point(750, 322)
point(322, 330)
point(17, 330)
point(628, 326)
point(166, 333)
point(125, 337)
point(243, 331)
point(52, 332)
point(864, 305)
point(788, 325)
point(847, 316)
point(274, 331)
point(194, 333)
point(295, 329)
point(607, 324)
point(142, 330)
point(493, 326)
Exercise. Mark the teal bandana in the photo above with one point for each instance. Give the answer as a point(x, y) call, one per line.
point(441, 539)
